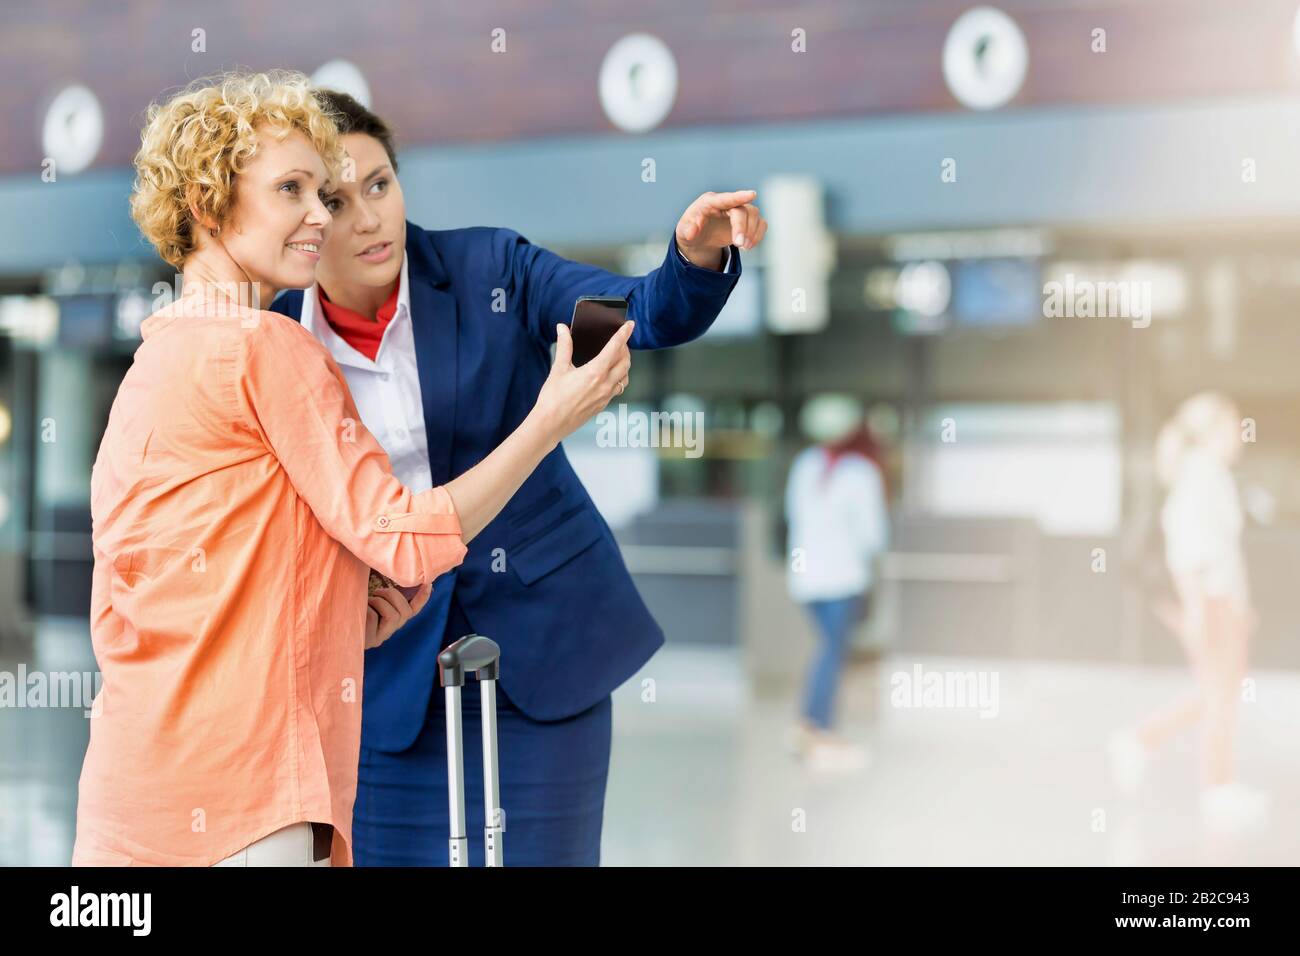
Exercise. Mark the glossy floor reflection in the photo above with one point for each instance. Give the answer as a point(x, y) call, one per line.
point(700, 775)
point(41, 749)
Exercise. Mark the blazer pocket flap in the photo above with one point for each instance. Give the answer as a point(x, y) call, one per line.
point(565, 541)
point(419, 521)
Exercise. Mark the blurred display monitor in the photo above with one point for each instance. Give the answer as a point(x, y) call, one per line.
point(996, 292)
point(85, 321)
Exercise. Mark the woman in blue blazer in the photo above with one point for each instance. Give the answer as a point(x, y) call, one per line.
point(463, 324)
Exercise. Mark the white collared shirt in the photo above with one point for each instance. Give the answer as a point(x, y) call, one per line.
point(387, 389)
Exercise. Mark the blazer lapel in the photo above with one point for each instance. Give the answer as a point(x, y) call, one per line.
point(434, 321)
point(289, 303)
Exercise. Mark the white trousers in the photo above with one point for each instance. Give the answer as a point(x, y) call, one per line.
point(291, 846)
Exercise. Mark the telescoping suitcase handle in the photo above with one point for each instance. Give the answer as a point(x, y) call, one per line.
point(478, 654)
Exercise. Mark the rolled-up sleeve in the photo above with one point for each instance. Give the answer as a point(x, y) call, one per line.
point(298, 401)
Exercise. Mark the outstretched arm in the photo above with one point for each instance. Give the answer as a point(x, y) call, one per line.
point(674, 304)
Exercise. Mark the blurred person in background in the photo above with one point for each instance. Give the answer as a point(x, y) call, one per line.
point(835, 503)
point(1202, 522)
point(238, 505)
point(444, 336)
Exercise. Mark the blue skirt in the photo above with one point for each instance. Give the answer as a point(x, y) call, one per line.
point(552, 779)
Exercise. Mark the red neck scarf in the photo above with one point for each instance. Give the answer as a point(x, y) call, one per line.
point(354, 328)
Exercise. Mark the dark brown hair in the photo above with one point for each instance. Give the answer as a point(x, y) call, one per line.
point(351, 117)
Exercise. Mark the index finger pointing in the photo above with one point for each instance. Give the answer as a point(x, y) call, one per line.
point(725, 201)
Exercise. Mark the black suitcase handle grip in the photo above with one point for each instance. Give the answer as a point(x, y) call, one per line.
point(473, 652)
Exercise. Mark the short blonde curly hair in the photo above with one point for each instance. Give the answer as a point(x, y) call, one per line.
point(196, 143)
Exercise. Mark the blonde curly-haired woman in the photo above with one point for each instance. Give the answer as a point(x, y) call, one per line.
point(238, 504)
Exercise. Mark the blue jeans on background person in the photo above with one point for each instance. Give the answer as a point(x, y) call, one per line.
point(836, 621)
point(552, 784)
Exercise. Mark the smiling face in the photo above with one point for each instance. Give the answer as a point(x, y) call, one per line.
point(278, 224)
point(369, 235)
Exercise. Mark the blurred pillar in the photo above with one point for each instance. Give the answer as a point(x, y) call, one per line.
point(61, 562)
point(65, 445)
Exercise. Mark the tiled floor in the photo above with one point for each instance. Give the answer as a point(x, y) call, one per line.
point(699, 774)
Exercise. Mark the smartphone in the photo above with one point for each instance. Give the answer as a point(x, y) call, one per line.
point(595, 320)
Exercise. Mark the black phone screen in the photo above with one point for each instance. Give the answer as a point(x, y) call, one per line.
point(595, 320)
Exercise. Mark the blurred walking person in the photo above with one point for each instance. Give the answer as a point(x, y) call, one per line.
point(838, 519)
point(1202, 523)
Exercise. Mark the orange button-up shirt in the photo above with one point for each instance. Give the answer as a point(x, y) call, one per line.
point(237, 504)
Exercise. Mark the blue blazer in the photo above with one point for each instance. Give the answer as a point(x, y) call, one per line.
point(545, 579)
